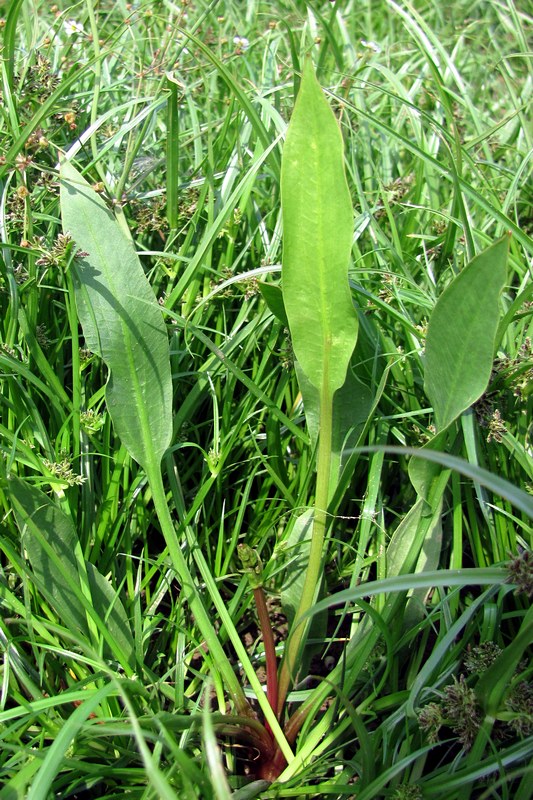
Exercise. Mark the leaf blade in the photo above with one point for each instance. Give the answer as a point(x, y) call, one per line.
point(121, 321)
point(461, 335)
point(317, 238)
point(50, 541)
point(351, 409)
point(41, 522)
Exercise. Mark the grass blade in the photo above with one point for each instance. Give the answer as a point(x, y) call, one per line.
point(172, 153)
point(518, 497)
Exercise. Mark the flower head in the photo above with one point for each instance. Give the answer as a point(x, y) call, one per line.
point(241, 42)
point(72, 28)
point(371, 46)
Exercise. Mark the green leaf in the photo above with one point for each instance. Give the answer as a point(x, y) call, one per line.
point(416, 543)
point(251, 790)
point(298, 545)
point(10, 41)
point(518, 497)
point(121, 321)
point(50, 542)
point(55, 754)
point(317, 239)
point(428, 561)
point(408, 582)
point(422, 473)
point(53, 550)
point(172, 152)
point(352, 404)
point(109, 608)
point(461, 335)
point(273, 297)
point(17, 787)
point(406, 541)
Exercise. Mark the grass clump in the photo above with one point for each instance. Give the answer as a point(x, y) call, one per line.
point(134, 643)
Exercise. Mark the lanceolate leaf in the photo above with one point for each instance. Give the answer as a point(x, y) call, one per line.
point(41, 522)
point(109, 608)
point(121, 321)
point(317, 238)
point(50, 542)
point(461, 335)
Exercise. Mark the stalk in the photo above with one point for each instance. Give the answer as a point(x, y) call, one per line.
point(254, 569)
point(270, 649)
point(240, 651)
point(201, 616)
point(75, 356)
point(312, 582)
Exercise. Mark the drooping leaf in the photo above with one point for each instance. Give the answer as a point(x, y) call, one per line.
point(50, 542)
point(52, 548)
point(317, 239)
point(121, 321)
point(461, 335)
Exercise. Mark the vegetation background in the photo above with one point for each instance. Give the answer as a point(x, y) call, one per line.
point(176, 113)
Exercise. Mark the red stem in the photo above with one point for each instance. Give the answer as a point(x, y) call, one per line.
point(270, 650)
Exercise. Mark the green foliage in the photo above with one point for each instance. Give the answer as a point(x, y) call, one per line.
point(80, 595)
point(317, 236)
point(123, 325)
point(352, 405)
point(495, 682)
point(461, 335)
point(298, 546)
point(127, 624)
point(317, 230)
point(121, 321)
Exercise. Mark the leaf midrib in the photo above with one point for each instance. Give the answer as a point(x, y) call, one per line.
point(128, 339)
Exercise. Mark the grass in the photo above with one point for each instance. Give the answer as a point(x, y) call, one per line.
point(180, 128)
